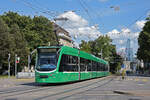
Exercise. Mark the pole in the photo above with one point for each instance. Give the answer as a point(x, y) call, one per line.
point(15, 65)
point(9, 65)
point(55, 31)
point(101, 53)
point(28, 63)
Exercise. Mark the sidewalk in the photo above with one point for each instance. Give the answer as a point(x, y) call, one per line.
point(12, 81)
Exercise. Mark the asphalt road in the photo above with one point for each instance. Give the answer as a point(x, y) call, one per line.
point(107, 88)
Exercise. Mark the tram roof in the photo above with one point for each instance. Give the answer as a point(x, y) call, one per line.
point(49, 47)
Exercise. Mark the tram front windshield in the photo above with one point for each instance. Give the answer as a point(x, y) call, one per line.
point(47, 60)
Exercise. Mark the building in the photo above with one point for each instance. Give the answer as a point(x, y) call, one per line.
point(63, 36)
point(129, 51)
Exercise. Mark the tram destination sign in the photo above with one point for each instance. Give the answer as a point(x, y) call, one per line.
point(43, 50)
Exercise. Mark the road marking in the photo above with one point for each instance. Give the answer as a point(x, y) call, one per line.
point(129, 79)
point(140, 84)
point(144, 80)
point(6, 85)
point(136, 79)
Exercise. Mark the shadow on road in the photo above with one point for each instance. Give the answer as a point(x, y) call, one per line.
point(12, 99)
point(53, 84)
point(49, 84)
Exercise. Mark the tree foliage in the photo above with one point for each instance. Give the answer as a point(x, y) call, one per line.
point(5, 42)
point(103, 45)
point(143, 52)
point(21, 35)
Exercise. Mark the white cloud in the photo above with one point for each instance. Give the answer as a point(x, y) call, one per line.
point(120, 38)
point(114, 33)
point(125, 30)
point(75, 19)
point(78, 27)
point(140, 24)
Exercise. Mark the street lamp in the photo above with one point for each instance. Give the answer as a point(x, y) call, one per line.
point(9, 65)
point(29, 58)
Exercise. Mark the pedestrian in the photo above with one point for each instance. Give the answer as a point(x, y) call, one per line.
point(123, 74)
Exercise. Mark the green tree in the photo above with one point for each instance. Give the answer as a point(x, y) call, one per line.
point(103, 45)
point(86, 46)
point(20, 46)
point(144, 43)
point(43, 27)
point(37, 31)
point(22, 34)
point(143, 52)
point(5, 44)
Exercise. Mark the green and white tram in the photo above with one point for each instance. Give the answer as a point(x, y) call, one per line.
point(59, 64)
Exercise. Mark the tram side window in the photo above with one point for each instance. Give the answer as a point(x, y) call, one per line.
point(106, 67)
point(89, 65)
point(98, 67)
point(83, 66)
point(94, 66)
point(75, 63)
point(68, 63)
point(103, 67)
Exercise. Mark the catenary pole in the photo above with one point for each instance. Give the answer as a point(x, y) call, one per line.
point(15, 65)
point(29, 60)
point(9, 65)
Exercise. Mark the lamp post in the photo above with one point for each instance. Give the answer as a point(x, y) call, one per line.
point(9, 65)
point(29, 58)
point(16, 65)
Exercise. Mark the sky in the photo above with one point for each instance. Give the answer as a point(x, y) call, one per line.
point(88, 19)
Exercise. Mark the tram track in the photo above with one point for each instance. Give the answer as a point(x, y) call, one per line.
point(68, 88)
point(22, 91)
point(63, 98)
point(17, 88)
point(74, 89)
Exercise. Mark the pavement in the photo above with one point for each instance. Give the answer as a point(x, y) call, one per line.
point(106, 88)
point(11, 82)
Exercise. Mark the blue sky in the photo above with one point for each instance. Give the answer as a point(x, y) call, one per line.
point(115, 18)
point(99, 10)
